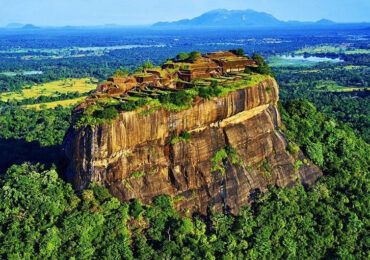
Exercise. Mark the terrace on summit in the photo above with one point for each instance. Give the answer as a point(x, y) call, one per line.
point(175, 75)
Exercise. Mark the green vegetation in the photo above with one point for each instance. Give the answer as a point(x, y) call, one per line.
point(188, 57)
point(194, 56)
point(238, 52)
point(343, 97)
point(262, 66)
point(217, 161)
point(297, 165)
point(182, 56)
point(293, 149)
point(32, 136)
point(137, 174)
point(221, 155)
point(184, 136)
point(96, 114)
point(42, 217)
point(121, 73)
point(267, 167)
point(51, 89)
point(63, 103)
point(139, 70)
point(208, 92)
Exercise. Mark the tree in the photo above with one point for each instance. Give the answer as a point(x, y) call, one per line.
point(182, 56)
point(258, 59)
point(147, 65)
point(121, 73)
point(238, 52)
point(194, 56)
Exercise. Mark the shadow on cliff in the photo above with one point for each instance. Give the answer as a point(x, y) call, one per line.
point(13, 151)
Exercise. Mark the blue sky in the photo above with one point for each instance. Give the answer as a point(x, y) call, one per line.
point(137, 12)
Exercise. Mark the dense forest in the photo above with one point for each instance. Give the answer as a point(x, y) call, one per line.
point(348, 105)
point(324, 109)
point(42, 217)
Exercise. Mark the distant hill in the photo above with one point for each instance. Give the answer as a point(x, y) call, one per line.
point(221, 18)
point(30, 27)
point(325, 22)
point(14, 25)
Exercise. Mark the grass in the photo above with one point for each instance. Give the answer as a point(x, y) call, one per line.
point(63, 103)
point(332, 86)
point(293, 149)
point(53, 88)
point(221, 155)
point(137, 174)
point(184, 136)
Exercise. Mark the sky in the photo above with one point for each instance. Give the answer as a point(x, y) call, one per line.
point(142, 12)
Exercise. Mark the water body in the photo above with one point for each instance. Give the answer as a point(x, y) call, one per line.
point(300, 60)
point(26, 73)
point(310, 59)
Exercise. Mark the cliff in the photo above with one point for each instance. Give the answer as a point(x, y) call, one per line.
point(232, 151)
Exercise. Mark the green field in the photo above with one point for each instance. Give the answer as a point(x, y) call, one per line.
point(63, 103)
point(332, 86)
point(52, 89)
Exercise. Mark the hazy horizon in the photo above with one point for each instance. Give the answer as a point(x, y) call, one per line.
point(143, 12)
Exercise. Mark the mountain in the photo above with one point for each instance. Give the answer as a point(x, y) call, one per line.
point(14, 25)
point(222, 18)
point(30, 27)
point(325, 22)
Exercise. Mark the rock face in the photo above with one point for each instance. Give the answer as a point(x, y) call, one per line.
point(134, 157)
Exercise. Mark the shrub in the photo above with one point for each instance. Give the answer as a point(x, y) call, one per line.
point(142, 102)
point(184, 136)
point(297, 165)
point(264, 69)
point(258, 59)
point(267, 167)
point(137, 174)
point(147, 65)
point(293, 149)
point(233, 154)
point(184, 67)
point(180, 98)
point(107, 113)
point(128, 105)
point(135, 208)
point(194, 56)
point(209, 92)
point(182, 56)
point(121, 73)
point(248, 70)
point(217, 161)
point(238, 52)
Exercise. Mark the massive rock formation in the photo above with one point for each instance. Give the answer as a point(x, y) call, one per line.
point(135, 158)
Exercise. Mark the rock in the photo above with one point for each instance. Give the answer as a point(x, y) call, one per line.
point(134, 158)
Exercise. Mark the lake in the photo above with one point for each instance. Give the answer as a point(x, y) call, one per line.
point(30, 72)
point(299, 60)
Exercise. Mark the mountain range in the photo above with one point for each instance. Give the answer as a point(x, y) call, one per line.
point(222, 18)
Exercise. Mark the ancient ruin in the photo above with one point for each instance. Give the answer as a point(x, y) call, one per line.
point(178, 74)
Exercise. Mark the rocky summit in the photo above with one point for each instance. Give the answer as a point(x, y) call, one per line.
point(204, 129)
